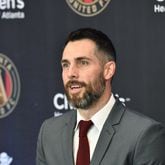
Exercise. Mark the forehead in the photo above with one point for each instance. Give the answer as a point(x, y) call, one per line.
point(84, 47)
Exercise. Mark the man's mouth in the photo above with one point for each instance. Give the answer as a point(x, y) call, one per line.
point(74, 86)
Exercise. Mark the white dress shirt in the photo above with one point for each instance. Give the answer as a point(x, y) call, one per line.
point(93, 134)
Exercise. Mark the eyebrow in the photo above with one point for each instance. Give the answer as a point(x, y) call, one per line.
point(64, 61)
point(77, 59)
point(82, 58)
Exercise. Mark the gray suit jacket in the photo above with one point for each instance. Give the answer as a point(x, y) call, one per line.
point(127, 138)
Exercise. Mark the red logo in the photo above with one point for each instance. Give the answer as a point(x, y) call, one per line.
point(88, 8)
point(9, 86)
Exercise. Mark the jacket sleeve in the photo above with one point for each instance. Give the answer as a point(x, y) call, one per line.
point(150, 147)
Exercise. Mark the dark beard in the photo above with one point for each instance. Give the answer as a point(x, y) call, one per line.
point(90, 96)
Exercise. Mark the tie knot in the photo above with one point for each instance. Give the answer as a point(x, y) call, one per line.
point(84, 127)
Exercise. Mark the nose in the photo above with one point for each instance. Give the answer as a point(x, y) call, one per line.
point(73, 72)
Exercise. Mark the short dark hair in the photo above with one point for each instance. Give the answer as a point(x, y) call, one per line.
point(101, 40)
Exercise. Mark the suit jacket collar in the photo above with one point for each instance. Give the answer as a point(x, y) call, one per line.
point(116, 113)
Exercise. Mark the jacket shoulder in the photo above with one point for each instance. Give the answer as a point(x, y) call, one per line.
point(139, 119)
point(56, 123)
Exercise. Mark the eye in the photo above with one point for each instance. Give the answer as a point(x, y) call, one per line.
point(65, 65)
point(84, 62)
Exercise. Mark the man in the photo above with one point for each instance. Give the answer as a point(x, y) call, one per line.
point(118, 136)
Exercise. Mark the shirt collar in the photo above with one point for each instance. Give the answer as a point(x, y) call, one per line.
point(100, 117)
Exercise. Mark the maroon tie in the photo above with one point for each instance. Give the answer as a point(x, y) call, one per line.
point(83, 154)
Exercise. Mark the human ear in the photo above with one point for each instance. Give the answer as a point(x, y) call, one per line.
point(109, 69)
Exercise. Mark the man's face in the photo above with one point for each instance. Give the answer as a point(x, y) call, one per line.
point(82, 73)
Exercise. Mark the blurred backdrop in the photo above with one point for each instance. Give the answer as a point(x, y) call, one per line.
point(32, 34)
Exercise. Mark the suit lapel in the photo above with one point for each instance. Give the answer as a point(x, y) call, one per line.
point(107, 133)
point(67, 139)
point(102, 145)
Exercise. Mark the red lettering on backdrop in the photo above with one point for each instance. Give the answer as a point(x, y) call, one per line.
point(87, 1)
